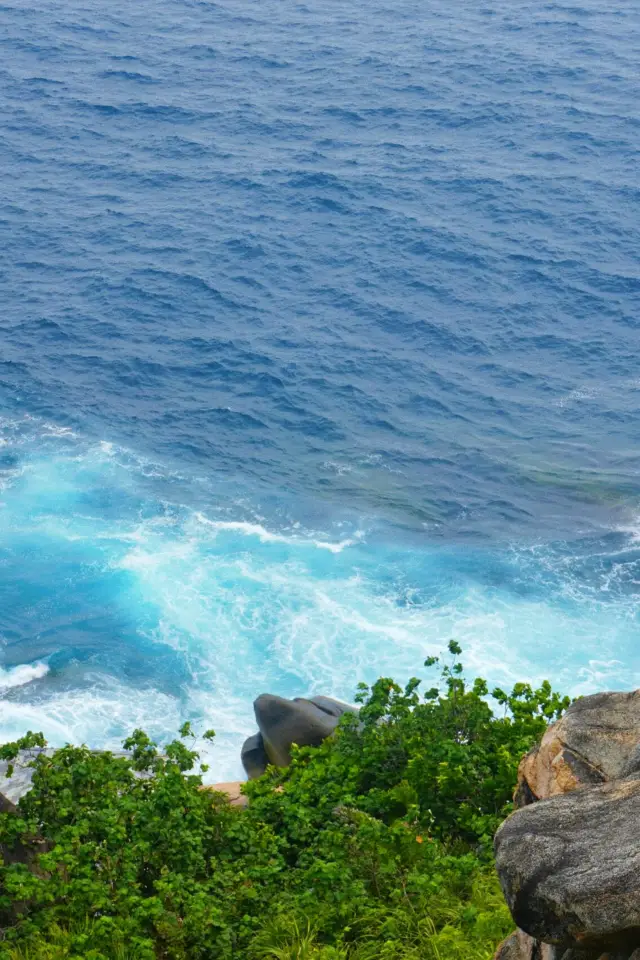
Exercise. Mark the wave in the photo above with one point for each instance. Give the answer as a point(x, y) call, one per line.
point(268, 536)
point(22, 674)
point(137, 606)
point(631, 529)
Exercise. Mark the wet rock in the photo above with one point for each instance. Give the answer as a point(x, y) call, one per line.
point(509, 949)
point(520, 946)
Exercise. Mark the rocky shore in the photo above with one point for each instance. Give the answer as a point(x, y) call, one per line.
point(568, 858)
point(281, 723)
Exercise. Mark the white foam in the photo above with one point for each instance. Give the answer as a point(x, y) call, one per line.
point(340, 468)
point(103, 715)
point(100, 716)
point(267, 536)
point(142, 558)
point(9, 477)
point(247, 620)
point(577, 395)
point(20, 675)
point(632, 529)
point(56, 431)
point(242, 615)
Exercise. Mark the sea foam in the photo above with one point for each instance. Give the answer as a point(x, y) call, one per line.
point(21, 674)
point(144, 610)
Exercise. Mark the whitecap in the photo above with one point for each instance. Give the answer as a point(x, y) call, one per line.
point(577, 395)
point(267, 536)
point(57, 431)
point(631, 528)
point(22, 674)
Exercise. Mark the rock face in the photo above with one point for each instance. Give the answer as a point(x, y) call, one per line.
point(254, 756)
point(13, 788)
point(283, 722)
point(569, 865)
point(596, 741)
point(520, 946)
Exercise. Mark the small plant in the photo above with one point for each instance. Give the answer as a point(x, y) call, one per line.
point(376, 844)
point(287, 939)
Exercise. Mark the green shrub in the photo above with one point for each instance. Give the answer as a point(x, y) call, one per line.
point(374, 846)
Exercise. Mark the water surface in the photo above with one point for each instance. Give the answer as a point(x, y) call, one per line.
point(319, 346)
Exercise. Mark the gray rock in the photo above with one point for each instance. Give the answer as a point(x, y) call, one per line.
point(303, 722)
point(596, 741)
point(604, 730)
point(254, 756)
point(335, 708)
point(570, 866)
point(13, 788)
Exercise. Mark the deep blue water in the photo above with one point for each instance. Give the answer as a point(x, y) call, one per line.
point(319, 346)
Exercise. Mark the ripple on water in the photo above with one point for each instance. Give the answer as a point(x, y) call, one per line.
point(319, 347)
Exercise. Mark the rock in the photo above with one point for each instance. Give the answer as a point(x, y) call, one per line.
point(254, 756)
point(13, 788)
point(304, 722)
point(509, 949)
point(233, 792)
point(573, 882)
point(520, 946)
point(570, 865)
point(335, 708)
point(596, 741)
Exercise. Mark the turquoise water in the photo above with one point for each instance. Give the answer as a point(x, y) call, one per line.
point(319, 347)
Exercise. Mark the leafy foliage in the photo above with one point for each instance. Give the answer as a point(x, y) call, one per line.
point(374, 845)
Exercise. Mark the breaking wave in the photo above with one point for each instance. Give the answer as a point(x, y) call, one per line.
point(131, 608)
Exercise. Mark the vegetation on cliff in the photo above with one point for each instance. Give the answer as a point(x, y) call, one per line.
point(374, 846)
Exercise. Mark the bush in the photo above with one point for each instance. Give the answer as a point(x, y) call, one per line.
point(374, 846)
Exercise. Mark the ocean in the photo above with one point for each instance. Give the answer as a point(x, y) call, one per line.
point(319, 344)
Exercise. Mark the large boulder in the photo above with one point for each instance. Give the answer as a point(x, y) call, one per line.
point(596, 741)
point(334, 708)
point(13, 788)
point(283, 722)
point(570, 869)
point(254, 756)
point(572, 857)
